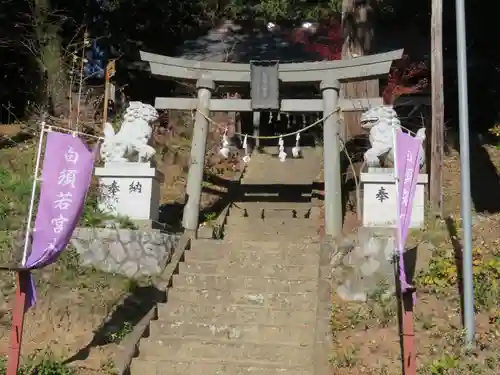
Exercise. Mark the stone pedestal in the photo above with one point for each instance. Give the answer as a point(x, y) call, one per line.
point(130, 189)
point(380, 200)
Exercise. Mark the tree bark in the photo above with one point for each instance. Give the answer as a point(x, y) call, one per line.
point(48, 41)
point(358, 33)
point(437, 131)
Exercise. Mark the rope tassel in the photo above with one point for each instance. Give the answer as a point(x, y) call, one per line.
point(296, 150)
point(224, 151)
point(282, 154)
point(246, 158)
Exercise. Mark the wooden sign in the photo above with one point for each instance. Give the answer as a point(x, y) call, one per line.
point(110, 70)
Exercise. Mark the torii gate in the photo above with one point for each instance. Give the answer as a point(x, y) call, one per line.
point(264, 78)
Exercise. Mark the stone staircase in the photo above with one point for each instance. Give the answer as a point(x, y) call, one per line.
point(246, 304)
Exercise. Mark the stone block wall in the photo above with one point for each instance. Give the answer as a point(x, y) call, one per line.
point(133, 253)
point(366, 265)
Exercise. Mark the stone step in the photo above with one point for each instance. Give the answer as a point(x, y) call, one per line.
point(271, 158)
point(291, 169)
point(182, 349)
point(293, 256)
point(211, 247)
point(242, 234)
point(295, 301)
point(249, 228)
point(294, 227)
point(277, 334)
point(258, 284)
point(266, 245)
point(250, 269)
point(286, 211)
point(264, 205)
point(269, 188)
point(256, 184)
point(207, 367)
point(271, 171)
point(289, 222)
point(255, 190)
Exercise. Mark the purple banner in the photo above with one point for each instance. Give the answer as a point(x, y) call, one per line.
point(66, 177)
point(407, 169)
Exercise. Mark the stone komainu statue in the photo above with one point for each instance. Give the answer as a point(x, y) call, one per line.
point(381, 122)
point(133, 137)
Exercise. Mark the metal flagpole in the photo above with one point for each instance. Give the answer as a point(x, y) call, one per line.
point(466, 206)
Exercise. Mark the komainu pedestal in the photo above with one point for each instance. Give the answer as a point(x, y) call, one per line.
point(130, 189)
point(380, 200)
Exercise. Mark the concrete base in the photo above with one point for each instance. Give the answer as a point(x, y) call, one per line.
point(131, 190)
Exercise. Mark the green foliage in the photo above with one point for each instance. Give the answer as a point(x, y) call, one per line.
point(275, 10)
point(93, 217)
point(443, 365)
point(210, 216)
point(120, 334)
point(442, 274)
point(16, 181)
point(46, 366)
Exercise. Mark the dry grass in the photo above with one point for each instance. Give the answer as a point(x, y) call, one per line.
point(366, 334)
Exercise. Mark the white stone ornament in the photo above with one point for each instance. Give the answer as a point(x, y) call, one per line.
point(224, 151)
point(282, 153)
point(246, 158)
point(296, 150)
point(133, 137)
point(382, 122)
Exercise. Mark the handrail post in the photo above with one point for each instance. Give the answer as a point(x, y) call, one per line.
point(190, 219)
point(331, 132)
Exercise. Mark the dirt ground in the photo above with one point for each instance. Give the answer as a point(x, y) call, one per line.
point(366, 335)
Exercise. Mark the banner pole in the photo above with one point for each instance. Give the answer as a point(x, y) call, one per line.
point(405, 298)
point(16, 332)
point(33, 193)
point(23, 276)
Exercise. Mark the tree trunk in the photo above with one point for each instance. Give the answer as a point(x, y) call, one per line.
point(49, 57)
point(437, 131)
point(358, 33)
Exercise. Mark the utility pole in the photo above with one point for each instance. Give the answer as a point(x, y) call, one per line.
point(437, 131)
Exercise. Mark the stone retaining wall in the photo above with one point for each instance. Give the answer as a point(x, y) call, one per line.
point(133, 253)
